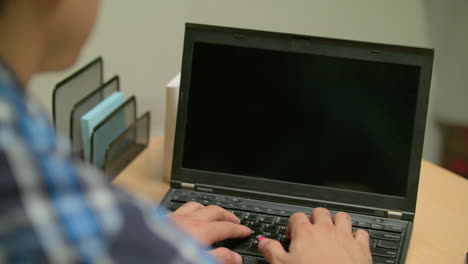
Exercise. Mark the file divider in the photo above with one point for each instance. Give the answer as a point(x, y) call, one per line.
point(71, 90)
point(110, 128)
point(85, 105)
point(127, 146)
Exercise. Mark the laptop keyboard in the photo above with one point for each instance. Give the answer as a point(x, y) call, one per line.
point(386, 236)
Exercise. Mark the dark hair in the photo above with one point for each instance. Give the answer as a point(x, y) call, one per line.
point(2, 4)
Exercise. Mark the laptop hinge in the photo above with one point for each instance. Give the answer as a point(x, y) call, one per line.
point(187, 186)
point(392, 214)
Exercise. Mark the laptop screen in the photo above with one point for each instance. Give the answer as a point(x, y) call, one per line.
point(304, 118)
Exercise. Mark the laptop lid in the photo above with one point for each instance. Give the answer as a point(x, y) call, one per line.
point(308, 120)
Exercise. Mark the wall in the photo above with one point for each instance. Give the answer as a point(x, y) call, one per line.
point(447, 32)
point(142, 41)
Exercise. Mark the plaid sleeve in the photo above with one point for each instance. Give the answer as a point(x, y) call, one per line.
point(143, 235)
point(54, 210)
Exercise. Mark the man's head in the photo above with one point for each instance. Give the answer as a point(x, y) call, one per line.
point(57, 29)
point(71, 22)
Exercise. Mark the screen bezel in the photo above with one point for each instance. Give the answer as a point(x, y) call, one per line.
point(420, 57)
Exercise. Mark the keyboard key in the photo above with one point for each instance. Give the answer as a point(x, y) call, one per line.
point(283, 238)
point(249, 260)
point(206, 197)
point(388, 244)
point(232, 206)
point(270, 235)
point(393, 229)
point(183, 193)
point(254, 242)
point(219, 199)
point(251, 217)
point(239, 214)
point(377, 226)
point(175, 197)
point(256, 226)
point(373, 243)
point(245, 241)
point(271, 228)
point(378, 220)
point(363, 224)
point(235, 200)
point(282, 221)
point(225, 243)
point(245, 222)
point(381, 252)
point(253, 250)
point(230, 241)
point(245, 207)
point(354, 223)
point(381, 260)
point(285, 213)
point(266, 219)
point(282, 229)
point(272, 211)
point(184, 199)
point(259, 209)
point(384, 235)
point(174, 205)
point(255, 233)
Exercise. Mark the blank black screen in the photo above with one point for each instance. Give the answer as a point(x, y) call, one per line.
point(303, 118)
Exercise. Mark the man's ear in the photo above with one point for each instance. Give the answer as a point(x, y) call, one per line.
point(44, 7)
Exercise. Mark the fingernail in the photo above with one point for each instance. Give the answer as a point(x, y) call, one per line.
point(238, 258)
point(260, 238)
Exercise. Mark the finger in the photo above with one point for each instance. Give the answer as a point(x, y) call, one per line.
point(226, 256)
point(272, 250)
point(321, 216)
point(215, 213)
point(343, 222)
point(217, 231)
point(363, 238)
point(188, 208)
point(295, 221)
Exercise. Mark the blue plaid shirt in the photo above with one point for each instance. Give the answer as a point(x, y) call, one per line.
point(55, 210)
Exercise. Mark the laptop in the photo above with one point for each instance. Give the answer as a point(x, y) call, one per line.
point(269, 124)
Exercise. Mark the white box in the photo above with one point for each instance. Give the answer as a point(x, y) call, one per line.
point(172, 99)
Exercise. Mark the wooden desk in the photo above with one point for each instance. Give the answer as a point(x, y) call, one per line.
point(440, 232)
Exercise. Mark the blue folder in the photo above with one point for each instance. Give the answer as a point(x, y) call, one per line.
point(110, 129)
point(92, 118)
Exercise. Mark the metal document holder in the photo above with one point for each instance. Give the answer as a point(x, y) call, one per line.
point(127, 146)
point(119, 138)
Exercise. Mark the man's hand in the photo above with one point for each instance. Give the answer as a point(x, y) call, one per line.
point(210, 224)
point(318, 240)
